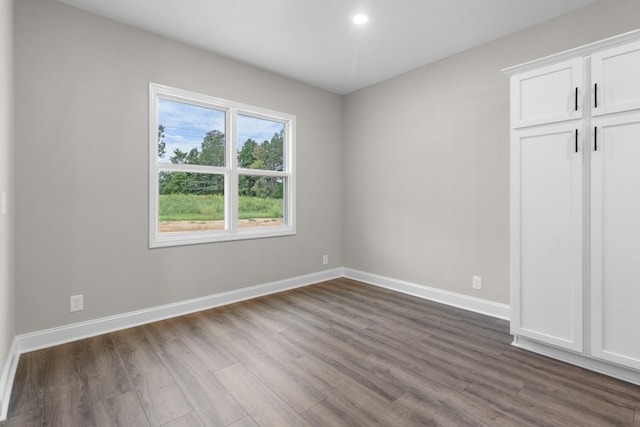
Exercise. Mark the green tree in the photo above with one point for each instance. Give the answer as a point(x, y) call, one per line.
point(178, 157)
point(266, 156)
point(246, 156)
point(273, 152)
point(213, 150)
point(247, 159)
point(161, 144)
point(269, 156)
point(211, 153)
point(172, 182)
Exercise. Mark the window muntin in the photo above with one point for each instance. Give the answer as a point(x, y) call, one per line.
point(219, 170)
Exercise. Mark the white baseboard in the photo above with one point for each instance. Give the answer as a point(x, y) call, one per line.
point(63, 334)
point(493, 309)
point(68, 333)
point(6, 380)
point(55, 336)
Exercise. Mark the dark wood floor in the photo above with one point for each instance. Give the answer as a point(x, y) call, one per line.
point(332, 354)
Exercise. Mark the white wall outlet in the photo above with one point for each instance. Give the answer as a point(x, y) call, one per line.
point(325, 259)
point(76, 303)
point(5, 203)
point(477, 282)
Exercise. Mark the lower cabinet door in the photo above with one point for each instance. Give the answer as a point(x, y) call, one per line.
point(546, 234)
point(615, 239)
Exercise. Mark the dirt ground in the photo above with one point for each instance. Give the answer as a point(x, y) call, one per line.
point(177, 226)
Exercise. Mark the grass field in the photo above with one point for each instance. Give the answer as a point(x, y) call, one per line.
point(192, 207)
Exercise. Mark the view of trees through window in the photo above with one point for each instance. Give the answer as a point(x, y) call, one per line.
point(192, 198)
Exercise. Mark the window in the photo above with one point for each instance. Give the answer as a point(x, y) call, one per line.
point(219, 170)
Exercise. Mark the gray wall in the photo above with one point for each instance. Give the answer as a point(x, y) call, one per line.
point(7, 329)
point(414, 170)
point(426, 159)
point(82, 172)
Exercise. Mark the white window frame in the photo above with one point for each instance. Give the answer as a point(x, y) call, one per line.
point(231, 171)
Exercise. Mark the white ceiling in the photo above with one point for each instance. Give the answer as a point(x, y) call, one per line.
point(315, 41)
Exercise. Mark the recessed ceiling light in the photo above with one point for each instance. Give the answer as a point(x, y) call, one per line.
point(360, 19)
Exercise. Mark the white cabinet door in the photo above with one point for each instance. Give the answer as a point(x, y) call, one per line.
point(546, 234)
point(615, 239)
point(549, 94)
point(615, 74)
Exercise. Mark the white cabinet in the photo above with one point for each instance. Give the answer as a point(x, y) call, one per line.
point(615, 239)
point(575, 206)
point(546, 241)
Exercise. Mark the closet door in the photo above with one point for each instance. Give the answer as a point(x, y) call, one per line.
point(548, 94)
point(546, 234)
point(615, 239)
point(615, 74)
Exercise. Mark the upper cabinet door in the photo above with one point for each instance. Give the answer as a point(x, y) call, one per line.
point(615, 75)
point(549, 94)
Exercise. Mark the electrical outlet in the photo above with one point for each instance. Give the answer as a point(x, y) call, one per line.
point(325, 259)
point(76, 303)
point(477, 282)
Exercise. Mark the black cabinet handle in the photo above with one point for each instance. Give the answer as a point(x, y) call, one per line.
point(576, 140)
point(595, 95)
point(595, 138)
point(576, 99)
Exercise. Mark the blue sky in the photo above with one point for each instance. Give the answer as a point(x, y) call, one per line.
point(186, 125)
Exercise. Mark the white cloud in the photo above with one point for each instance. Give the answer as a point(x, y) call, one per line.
point(257, 129)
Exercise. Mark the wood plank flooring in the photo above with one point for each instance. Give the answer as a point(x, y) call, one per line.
point(331, 354)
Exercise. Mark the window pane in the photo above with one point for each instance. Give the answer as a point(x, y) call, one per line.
point(260, 143)
point(190, 202)
point(261, 202)
point(190, 134)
